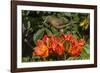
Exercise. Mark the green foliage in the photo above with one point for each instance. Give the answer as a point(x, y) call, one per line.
point(54, 31)
point(87, 48)
point(25, 59)
point(48, 32)
point(38, 35)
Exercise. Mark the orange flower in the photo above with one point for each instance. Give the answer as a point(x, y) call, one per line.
point(39, 43)
point(53, 44)
point(56, 46)
point(75, 51)
point(67, 37)
point(59, 50)
point(41, 49)
point(81, 42)
point(46, 40)
point(76, 46)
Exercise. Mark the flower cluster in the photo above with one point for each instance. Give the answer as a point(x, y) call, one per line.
point(49, 45)
point(76, 46)
point(54, 45)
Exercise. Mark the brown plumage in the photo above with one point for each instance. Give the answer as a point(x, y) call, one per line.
point(56, 22)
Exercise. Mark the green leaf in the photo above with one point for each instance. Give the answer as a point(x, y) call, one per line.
point(72, 58)
point(48, 31)
point(84, 54)
point(25, 59)
point(35, 58)
point(67, 14)
point(75, 18)
point(54, 30)
point(28, 25)
point(38, 35)
point(87, 48)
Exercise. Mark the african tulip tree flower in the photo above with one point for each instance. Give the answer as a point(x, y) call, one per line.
point(46, 40)
point(81, 42)
point(41, 49)
point(59, 50)
point(67, 37)
point(39, 43)
point(54, 45)
point(76, 46)
point(75, 51)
